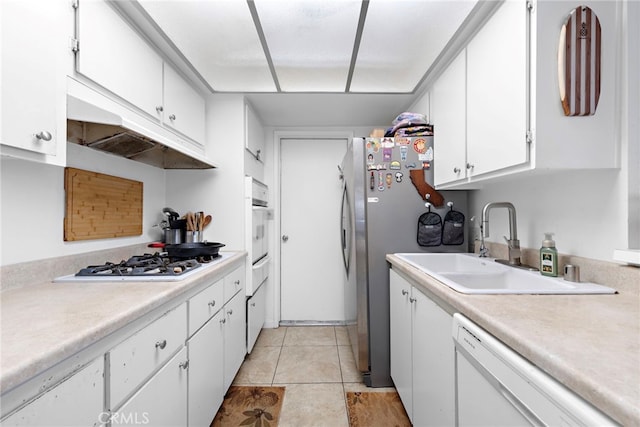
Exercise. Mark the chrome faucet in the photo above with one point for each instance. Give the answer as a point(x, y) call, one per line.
point(512, 242)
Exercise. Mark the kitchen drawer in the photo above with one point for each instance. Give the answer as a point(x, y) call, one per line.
point(234, 282)
point(133, 360)
point(162, 401)
point(204, 305)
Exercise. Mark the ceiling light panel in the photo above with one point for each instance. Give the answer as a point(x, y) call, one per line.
point(401, 39)
point(310, 41)
point(218, 38)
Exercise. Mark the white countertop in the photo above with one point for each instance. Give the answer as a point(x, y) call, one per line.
point(45, 323)
point(589, 343)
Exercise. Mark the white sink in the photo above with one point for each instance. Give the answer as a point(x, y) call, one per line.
point(470, 274)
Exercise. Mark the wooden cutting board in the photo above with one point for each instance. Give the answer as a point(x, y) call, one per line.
point(579, 62)
point(100, 206)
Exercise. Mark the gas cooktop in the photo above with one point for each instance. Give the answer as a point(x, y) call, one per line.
point(144, 268)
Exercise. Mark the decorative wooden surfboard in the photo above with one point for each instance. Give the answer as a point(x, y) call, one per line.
point(579, 62)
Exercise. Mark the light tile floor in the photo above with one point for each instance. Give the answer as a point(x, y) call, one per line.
point(315, 364)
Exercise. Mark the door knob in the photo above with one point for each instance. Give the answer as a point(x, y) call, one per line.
point(285, 238)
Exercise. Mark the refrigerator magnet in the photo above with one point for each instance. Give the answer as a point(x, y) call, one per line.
point(399, 176)
point(370, 159)
point(380, 181)
point(429, 154)
point(395, 165)
point(389, 180)
point(403, 153)
point(387, 143)
point(386, 154)
point(426, 165)
point(420, 145)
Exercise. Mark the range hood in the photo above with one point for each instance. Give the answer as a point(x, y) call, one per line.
point(98, 122)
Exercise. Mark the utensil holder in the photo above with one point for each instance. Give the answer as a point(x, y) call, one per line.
point(172, 236)
point(193, 237)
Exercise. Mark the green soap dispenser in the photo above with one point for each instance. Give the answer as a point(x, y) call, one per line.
point(549, 256)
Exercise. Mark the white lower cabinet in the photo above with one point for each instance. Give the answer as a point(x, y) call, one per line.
point(77, 401)
point(256, 310)
point(133, 360)
point(172, 371)
point(422, 355)
point(235, 343)
point(400, 339)
point(433, 364)
point(162, 401)
point(217, 348)
point(206, 371)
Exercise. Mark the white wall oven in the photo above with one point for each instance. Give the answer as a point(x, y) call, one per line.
point(257, 244)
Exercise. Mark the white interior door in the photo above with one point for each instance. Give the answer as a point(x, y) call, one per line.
point(311, 265)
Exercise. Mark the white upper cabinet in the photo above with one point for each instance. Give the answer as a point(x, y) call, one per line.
point(34, 48)
point(497, 91)
point(448, 100)
point(254, 133)
point(184, 107)
point(512, 120)
point(114, 55)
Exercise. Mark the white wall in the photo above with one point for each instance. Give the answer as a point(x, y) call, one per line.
point(218, 192)
point(585, 209)
point(33, 205)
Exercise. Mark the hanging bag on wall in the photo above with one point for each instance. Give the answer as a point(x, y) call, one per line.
point(453, 228)
point(429, 229)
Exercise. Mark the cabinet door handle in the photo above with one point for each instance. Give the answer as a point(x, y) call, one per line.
point(172, 117)
point(159, 109)
point(237, 282)
point(253, 304)
point(405, 292)
point(43, 135)
point(470, 165)
point(184, 365)
point(212, 303)
point(230, 312)
point(412, 300)
point(161, 344)
point(456, 170)
point(223, 320)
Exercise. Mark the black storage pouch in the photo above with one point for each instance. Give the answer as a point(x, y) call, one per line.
point(453, 228)
point(429, 229)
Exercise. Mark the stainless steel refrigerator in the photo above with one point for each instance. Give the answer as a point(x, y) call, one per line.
point(380, 212)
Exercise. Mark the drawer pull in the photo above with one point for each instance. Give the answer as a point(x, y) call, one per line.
point(405, 292)
point(184, 365)
point(237, 282)
point(161, 344)
point(223, 320)
point(212, 303)
point(230, 312)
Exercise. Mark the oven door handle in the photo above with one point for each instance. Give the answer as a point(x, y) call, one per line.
point(261, 263)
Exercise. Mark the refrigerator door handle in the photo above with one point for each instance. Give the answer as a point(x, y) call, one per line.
point(345, 217)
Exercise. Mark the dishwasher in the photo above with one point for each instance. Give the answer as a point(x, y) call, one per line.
point(495, 386)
